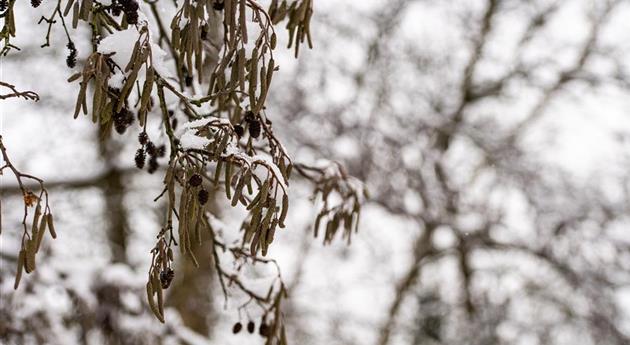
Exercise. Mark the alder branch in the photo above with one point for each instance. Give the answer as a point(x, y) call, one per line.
point(28, 95)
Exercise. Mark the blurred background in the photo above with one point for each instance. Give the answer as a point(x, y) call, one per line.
point(492, 135)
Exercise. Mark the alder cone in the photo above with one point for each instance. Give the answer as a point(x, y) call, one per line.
point(264, 330)
point(202, 196)
point(140, 158)
point(251, 326)
point(166, 277)
point(238, 129)
point(195, 180)
point(143, 138)
point(254, 129)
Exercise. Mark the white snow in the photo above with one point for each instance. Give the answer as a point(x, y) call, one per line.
point(233, 151)
point(121, 43)
point(191, 141)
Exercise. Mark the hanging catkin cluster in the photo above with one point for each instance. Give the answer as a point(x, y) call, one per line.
point(226, 141)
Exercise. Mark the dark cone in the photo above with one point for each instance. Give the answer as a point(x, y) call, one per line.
point(254, 129)
point(251, 326)
point(239, 130)
point(202, 196)
point(218, 6)
point(166, 277)
point(153, 165)
point(264, 330)
point(161, 151)
point(151, 148)
point(195, 180)
point(140, 157)
point(143, 138)
point(237, 327)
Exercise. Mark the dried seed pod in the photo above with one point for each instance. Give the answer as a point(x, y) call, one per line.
point(140, 158)
point(75, 15)
point(228, 179)
point(150, 146)
point(36, 215)
point(264, 330)
point(239, 130)
point(218, 5)
point(251, 326)
point(202, 196)
point(238, 191)
point(195, 180)
point(51, 225)
point(143, 138)
point(130, 7)
point(122, 120)
point(249, 116)
point(71, 59)
point(166, 277)
point(161, 151)
point(153, 165)
point(40, 233)
point(237, 328)
point(254, 129)
point(68, 7)
point(29, 261)
point(20, 267)
point(273, 40)
point(116, 10)
point(285, 209)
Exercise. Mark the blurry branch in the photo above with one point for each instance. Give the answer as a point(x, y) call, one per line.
point(537, 23)
point(463, 253)
point(421, 250)
point(330, 180)
point(28, 95)
point(386, 24)
point(443, 199)
point(42, 218)
point(495, 88)
point(572, 73)
point(98, 180)
point(423, 247)
point(573, 278)
point(466, 86)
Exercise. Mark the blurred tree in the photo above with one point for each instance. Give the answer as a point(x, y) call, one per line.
point(441, 108)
